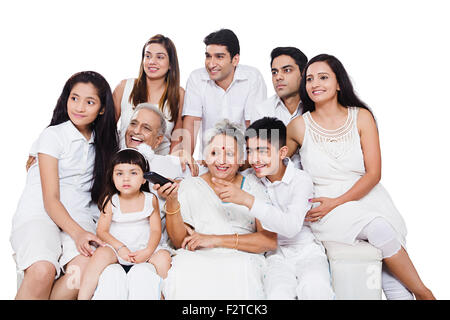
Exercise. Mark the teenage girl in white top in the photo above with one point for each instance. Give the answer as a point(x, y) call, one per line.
point(53, 225)
point(129, 223)
point(159, 84)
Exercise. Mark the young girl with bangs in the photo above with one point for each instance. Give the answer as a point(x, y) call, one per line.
point(53, 227)
point(130, 225)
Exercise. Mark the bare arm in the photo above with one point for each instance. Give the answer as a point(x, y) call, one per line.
point(190, 126)
point(257, 242)
point(295, 134)
point(48, 167)
point(370, 145)
point(103, 225)
point(117, 97)
point(155, 227)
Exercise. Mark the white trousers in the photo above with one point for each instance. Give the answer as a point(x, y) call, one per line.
point(381, 235)
point(140, 283)
point(298, 271)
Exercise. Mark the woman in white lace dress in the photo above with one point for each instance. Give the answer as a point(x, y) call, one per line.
point(220, 245)
point(339, 148)
point(158, 83)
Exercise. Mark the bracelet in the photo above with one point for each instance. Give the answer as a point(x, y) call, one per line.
point(122, 246)
point(237, 241)
point(172, 212)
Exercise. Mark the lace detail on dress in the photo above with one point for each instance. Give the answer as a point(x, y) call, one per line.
point(335, 142)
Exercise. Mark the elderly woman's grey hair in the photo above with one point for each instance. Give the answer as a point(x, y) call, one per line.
point(228, 128)
point(153, 108)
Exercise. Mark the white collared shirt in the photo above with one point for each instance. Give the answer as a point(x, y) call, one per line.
point(205, 99)
point(275, 107)
point(76, 157)
point(290, 203)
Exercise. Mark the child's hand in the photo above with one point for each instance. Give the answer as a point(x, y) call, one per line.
point(229, 192)
point(140, 256)
point(124, 253)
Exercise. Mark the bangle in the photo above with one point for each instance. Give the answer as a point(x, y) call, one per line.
point(237, 241)
point(172, 212)
point(118, 249)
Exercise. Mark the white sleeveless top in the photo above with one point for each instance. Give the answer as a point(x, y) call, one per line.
point(132, 229)
point(126, 112)
point(335, 161)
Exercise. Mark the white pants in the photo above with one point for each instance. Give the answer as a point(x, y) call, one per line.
point(140, 283)
point(381, 235)
point(300, 271)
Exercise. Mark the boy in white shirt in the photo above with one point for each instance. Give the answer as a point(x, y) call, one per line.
point(299, 267)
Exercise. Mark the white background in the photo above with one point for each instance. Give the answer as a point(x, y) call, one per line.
point(394, 51)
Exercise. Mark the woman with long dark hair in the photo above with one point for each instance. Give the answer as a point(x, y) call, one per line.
point(53, 227)
point(158, 83)
point(340, 149)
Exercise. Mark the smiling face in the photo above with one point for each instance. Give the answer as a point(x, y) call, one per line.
point(286, 76)
point(156, 61)
point(264, 157)
point(144, 127)
point(222, 157)
point(219, 64)
point(321, 83)
point(83, 106)
point(128, 178)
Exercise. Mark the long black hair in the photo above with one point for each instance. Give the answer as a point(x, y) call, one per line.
point(129, 156)
point(106, 139)
point(346, 95)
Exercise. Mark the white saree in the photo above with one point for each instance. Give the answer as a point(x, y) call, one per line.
point(217, 273)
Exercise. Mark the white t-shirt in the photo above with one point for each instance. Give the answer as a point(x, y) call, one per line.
point(76, 157)
point(205, 99)
point(274, 107)
point(286, 213)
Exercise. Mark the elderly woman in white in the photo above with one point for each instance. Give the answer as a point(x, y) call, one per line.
point(220, 246)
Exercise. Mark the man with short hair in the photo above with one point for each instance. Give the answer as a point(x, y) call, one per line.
point(287, 64)
point(223, 89)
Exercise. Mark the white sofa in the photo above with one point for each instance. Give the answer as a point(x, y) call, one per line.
point(355, 270)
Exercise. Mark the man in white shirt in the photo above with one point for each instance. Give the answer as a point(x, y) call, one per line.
point(223, 89)
point(287, 64)
point(299, 267)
